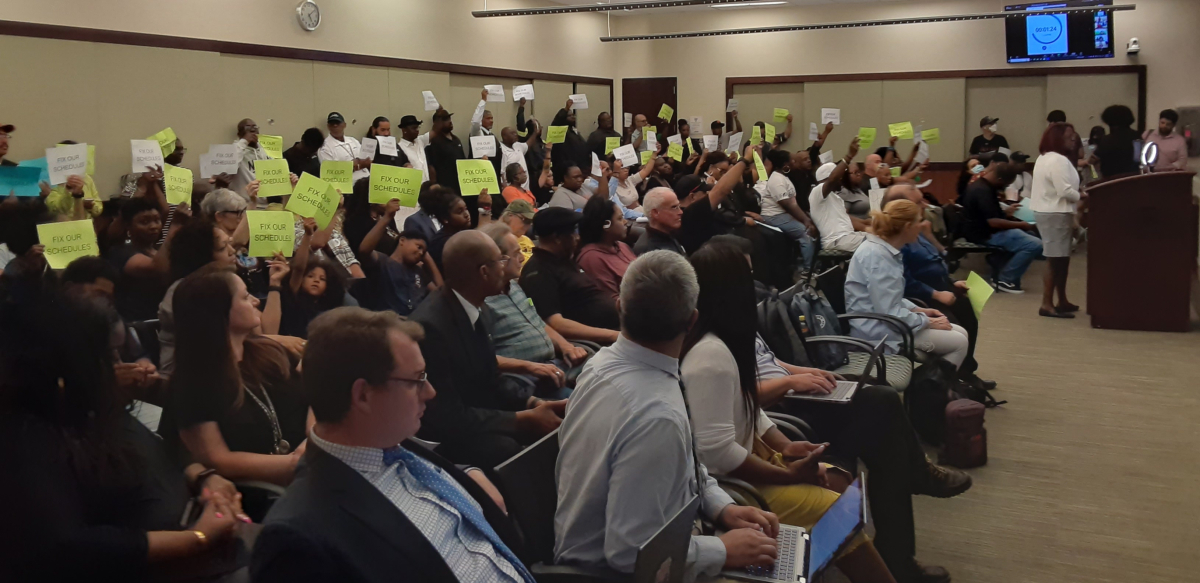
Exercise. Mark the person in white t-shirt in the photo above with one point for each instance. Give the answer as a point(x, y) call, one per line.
point(413, 143)
point(838, 230)
point(340, 147)
point(777, 200)
point(512, 152)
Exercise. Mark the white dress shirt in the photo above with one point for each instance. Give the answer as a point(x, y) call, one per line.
point(625, 465)
point(513, 155)
point(346, 150)
point(1055, 184)
point(415, 150)
point(472, 311)
point(468, 553)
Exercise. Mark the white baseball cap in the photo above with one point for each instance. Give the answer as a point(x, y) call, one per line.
point(825, 170)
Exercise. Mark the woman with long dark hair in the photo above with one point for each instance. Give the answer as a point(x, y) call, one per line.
point(1055, 196)
point(236, 401)
point(94, 495)
point(198, 244)
point(603, 255)
point(733, 435)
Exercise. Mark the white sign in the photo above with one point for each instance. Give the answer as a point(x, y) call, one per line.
point(675, 139)
point(732, 105)
point(146, 155)
point(826, 157)
point(578, 101)
point(1005, 151)
point(697, 124)
point(224, 159)
point(876, 196)
point(831, 115)
point(627, 155)
point(495, 93)
point(710, 143)
point(208, 166)
point(813, 132)
point(875, 181)
point(628, 119)
point(64, 161)
point(387, 146)
point(922, 153)
point(596, 166)
point(369, 146)
point(523, 91)
point(651, 138)
point(483, 146)
point(735, 143)
point(431, 102)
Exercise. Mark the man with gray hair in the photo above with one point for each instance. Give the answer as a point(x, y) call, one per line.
point(627, 430)
point(661, 206)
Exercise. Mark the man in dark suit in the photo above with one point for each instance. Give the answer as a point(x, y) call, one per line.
point(473, 418)
point(367, 504)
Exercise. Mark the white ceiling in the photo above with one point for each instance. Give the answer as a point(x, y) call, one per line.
point(695, 8)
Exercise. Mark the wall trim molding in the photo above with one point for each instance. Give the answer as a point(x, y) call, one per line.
point(1140, 70)
point(57, 32)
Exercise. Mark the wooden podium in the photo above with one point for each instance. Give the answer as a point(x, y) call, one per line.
point(1142, 245)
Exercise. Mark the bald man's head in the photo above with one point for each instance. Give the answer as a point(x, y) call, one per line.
point(902, 192)
point(471, 265)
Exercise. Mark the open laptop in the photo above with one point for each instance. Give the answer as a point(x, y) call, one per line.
point(663, 558)
point(804, 556)
point(844, 391)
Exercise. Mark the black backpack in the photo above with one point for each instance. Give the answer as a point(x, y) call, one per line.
point(775, 326)
point(928, 393)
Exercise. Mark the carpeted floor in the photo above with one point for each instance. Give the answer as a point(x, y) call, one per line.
point(1094, 464)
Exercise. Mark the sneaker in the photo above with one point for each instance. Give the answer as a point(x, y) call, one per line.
point(914, 572)
point(944, 482)
point(1009, 288)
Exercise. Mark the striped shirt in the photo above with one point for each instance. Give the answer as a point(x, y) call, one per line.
point(518, 331)
point(469, 554)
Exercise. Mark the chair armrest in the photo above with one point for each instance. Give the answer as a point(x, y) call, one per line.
point(587, 344)
point(906, 333)
point(266, 487)
point(804, 429)
point(544, 573)
point(734, 485)
point(788, 430)
point(851, 341)
point(918, 302)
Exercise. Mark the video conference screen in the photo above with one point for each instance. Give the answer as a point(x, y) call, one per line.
point(1058, 37)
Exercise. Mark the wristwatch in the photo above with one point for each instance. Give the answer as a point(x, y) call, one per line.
point(198, 483)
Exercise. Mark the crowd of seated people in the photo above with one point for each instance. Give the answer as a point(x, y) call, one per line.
point(614, 304)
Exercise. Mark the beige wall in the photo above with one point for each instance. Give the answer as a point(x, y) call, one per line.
point(1166, 29)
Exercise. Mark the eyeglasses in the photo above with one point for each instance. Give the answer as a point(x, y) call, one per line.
point(503, 260)
point(4, 136)
point(419, 381)
point(252, 129)
point(236, 213)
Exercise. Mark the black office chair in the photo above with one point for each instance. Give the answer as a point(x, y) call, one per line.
point(145, 334)
point(527, 483)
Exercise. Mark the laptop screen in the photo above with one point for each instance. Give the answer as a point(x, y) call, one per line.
point(837, 525)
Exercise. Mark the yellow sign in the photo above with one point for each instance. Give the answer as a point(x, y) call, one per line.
point(388, 182)
point(339, 174)
point(780, 115)
point(313, 198)
point(756, 136)
point(866, 137)
point(556, 134)
point(179, 184)
point(646, 157)
point(931, 137)
point(271, 231)
point(675, 151)
point(166, 141)
point(895, 171)
point(758, 165)
point(611, 144)
point(979, 293)
point(274, 178)
point(272, 145)
point(666, 113)
point(67, 241)
point(770, 137)
point(902, 130)
point(476, 175)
